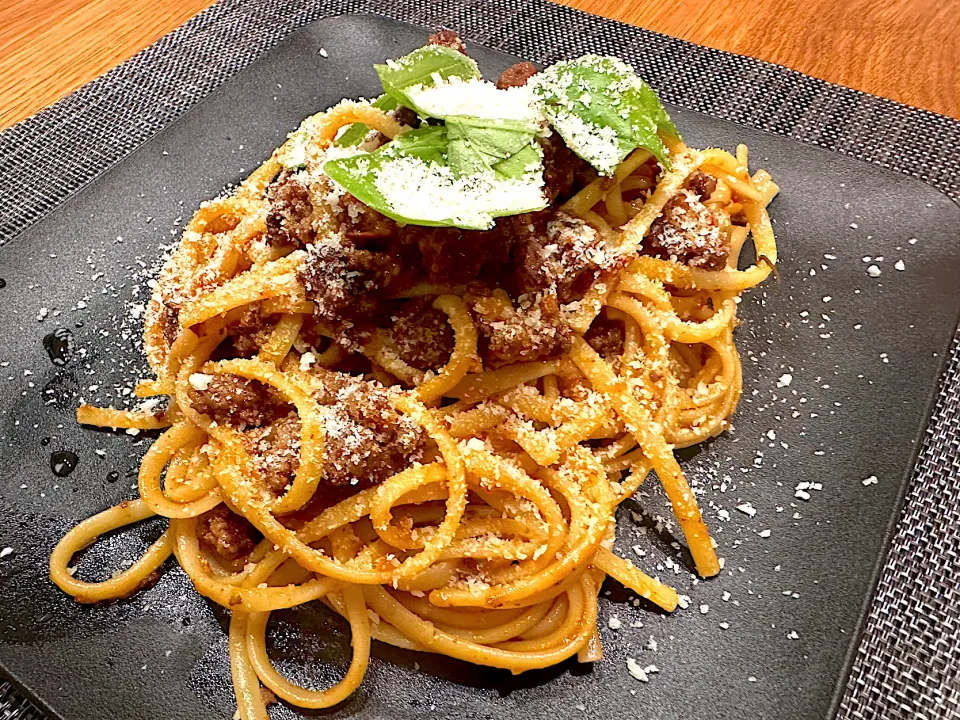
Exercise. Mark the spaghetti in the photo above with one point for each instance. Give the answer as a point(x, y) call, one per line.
point(477, 517)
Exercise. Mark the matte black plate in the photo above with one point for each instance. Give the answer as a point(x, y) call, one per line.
point(864, 354)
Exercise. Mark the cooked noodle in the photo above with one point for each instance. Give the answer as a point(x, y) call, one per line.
point(494, 549)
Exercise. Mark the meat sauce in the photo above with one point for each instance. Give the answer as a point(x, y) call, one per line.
point(515, 278)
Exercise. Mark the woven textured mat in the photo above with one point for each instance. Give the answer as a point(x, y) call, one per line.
point(908, 661)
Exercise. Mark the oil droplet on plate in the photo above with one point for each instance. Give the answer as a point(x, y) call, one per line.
point(59, 346)
point(113, 476)
point(63, 462)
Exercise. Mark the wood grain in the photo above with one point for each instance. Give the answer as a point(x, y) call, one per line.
point(908, 50)
point(48, 48)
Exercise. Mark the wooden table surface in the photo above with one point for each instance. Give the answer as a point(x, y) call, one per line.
point(908, 50)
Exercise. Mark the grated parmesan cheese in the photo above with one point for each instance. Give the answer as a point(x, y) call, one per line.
point(641, 673)
point(596, 144)
point(306, 360)
point(200, 381)
point(432, 193)
point(476, 98)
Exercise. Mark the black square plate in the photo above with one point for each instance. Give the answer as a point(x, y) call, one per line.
point(772, 636)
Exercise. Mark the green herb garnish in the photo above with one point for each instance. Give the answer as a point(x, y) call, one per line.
point(603, 111)
point(412, 179)
point(464, 172)
point(425, 66)
point(357, 133)
point(477, 144)
point(465, 169)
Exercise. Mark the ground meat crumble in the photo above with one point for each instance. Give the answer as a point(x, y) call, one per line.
point(516, 75)
point(421, 335)
point(567, 259)
point(236, 401)
point(248, 333)
point(290, 215)
point(275, 450)
point(227, 535)
point(366, 440)
point(533, 330)
point(344, 283)
point(687, 231)
point(606, 336)
point(448, 38)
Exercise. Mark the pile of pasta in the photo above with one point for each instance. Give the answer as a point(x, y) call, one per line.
point(494, 549)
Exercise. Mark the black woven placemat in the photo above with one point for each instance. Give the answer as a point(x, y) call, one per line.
point(908, 662)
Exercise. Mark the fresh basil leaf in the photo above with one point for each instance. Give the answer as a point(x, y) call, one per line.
point(657, 111)
point(477, 144)
point(602, 110)
point(424, 66)
point(476, 98)
point(497, 138)
point(464, 158)
point(520, 163)
point(464, 173)
point(357, 174)
point(357, 133)
point(427, 143)
point(411, 179)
